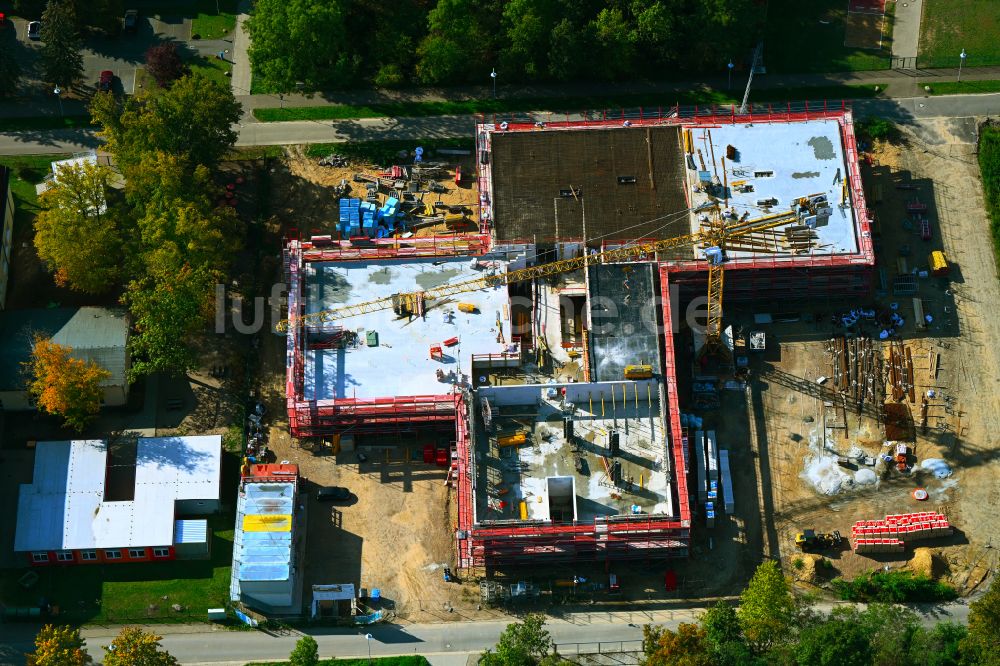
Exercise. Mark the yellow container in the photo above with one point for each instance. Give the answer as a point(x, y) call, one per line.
point(267, 523)
point(518, 439)
point(467, 307)
point(938, 263)
point(638, 371)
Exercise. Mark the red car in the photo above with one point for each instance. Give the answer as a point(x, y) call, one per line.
point(106, 81)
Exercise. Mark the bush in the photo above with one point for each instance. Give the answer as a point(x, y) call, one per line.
point(879, 129)
point(893, 587)
point(989, 168)
point(798, 563)
point(389, 76)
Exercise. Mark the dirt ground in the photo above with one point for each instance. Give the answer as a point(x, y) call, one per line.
point(864, 31)
point(303, 193)
point(937, 164)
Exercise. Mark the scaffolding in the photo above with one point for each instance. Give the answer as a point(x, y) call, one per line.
point(488, 543)
point(389, 414)
point(484, 544)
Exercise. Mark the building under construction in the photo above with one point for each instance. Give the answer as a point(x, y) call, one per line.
point(545, 341)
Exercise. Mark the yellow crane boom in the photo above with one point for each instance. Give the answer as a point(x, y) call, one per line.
point(716, 234)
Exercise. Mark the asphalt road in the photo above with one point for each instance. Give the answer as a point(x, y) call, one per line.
point(373, 129)
point(445, 644)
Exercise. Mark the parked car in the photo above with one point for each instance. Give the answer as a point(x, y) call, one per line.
point(131, 20)
point(333, 494)
point(35, 30)
point(107, 81)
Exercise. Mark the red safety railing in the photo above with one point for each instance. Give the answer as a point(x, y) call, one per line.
point(396, 248)
point(672, 408)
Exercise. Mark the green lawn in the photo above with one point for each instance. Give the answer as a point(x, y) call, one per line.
point(965, 87)
point(809, 37)
point(205, 21)
point(120, 593)
point(948, 26)
point(208, 24)
point(29, 170)
point(33, 123)
point(650, 102)
point(212, 68)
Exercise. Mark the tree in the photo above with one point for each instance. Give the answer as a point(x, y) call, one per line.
point(105, 15)
point(834, 642)
point(29, 8)
point(193, 106)
point(63, 385)
point(164, 64)
point(10, 69)
point(300, 40)
point(58, 646)
point(528, 25)
point(457, 43)
point(62, 62)
point(568, 55)
point(724, 635)
point(178, 219)
point(170, 308)
point(766, 608)
point(982, 644)
point(688, 646)
point(306, 652)
point(521, 644)
point(890, 630)
point(939, 646)
point(134, 647)
point(615, 42)
point(77, 234)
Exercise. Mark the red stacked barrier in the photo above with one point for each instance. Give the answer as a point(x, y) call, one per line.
point(891, 534)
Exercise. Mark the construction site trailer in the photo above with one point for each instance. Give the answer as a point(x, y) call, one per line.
point(938, 263)
point(729, 504)
point(699, 450)
point(713, 456)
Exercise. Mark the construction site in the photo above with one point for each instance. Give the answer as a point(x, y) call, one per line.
point(660, 338)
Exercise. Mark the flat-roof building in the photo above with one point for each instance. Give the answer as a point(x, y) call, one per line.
point(562, 388)
point(265, 572)
point(98, 335)
point(93, 501)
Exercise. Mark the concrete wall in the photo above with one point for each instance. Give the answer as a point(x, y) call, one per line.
point(531, 394)
point(276, 594)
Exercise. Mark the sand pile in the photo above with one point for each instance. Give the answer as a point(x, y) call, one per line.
point(927, 562)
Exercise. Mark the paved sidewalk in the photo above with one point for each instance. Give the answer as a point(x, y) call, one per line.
point(901, 83)
point(906, 29)
point(240, 80)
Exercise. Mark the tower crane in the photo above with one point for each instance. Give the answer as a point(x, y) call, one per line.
point(714, 236)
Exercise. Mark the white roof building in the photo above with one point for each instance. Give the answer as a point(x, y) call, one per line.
point(64, 508)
